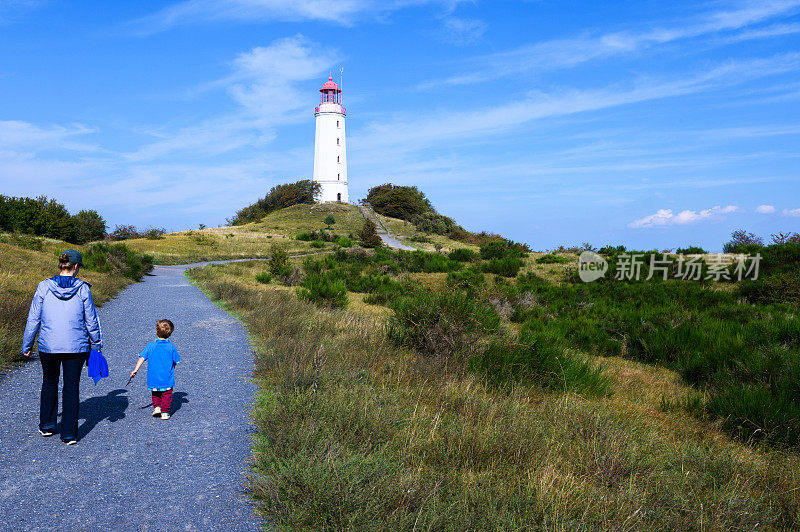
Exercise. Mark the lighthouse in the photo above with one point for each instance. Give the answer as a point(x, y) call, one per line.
point(330, 155)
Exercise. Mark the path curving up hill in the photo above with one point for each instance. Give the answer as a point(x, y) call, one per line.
point(131, 471)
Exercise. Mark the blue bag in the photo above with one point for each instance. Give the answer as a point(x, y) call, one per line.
point(98, 366)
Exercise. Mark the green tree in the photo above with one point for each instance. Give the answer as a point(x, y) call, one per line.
point(89, 226)
point(368, 236)
point(329, 220)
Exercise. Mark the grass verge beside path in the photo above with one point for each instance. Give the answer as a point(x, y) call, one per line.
point(21, 270)
point(356, 433)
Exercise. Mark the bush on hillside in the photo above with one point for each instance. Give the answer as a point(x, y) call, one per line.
point(89, 226)
point(432, 222)
point(542, 358)
point(442, 324)
point(324, 289)
point(691, 250)
point(279, 197)
point(278, 260)
point(462, 255)
point(368, 236)
point(117, 257)
point(550, 258)
point(743, 242)
point(398, 201)
point(498, 249)
point(505, 267)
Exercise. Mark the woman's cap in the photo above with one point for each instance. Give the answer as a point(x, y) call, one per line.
point(73, 256)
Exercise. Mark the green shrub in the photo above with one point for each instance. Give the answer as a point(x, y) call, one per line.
point(447, 323)
point(329, 220)
point(462, 255)
point(398, 201)
point(783, 287)
point(278, 260)
point(368, 236)
point(499, 249)
point(691, 250)
point(264, 277)
point(506, 267)
point(470, 279)
point(279, 197)
point(433, 222)
point(305, 237)
point(543, 358)
point(117, 257)
point(154, 233)
point(550, 258)
point(344, 242)
point(317, 244)
point(324, 290)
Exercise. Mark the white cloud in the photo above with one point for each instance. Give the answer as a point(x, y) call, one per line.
point(570, 52)
point(19, 135)
point(792, 212)
point(344, 12)
point(765, 209)
point(666, 217)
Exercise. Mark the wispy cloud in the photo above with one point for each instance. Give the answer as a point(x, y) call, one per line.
point(436, 128)
point(342, 12)
point(570, 52)
point(791, 212)
point(765, 209)
point(265, 83)
point(19, 135)
point(666, 217)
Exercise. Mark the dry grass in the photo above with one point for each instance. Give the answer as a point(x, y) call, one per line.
point(250, 240)
point(21, 270)
point(356, 433)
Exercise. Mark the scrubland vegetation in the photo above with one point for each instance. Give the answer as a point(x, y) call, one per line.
point(447, 414)
point(26, 260)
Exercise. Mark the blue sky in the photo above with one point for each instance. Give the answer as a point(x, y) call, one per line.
point(654, 124)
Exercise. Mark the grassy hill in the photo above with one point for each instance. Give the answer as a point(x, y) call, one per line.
point(253, 240)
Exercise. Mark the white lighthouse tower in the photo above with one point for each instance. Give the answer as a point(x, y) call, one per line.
point(330, 155)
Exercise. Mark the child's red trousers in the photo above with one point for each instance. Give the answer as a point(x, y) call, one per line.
point(162, 400)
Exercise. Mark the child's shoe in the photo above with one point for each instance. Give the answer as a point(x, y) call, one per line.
point(156, 411)
point(164, 415)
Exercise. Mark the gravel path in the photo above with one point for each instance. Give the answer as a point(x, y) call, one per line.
point(129, 470)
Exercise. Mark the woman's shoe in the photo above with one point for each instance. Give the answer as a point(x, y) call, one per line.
point(45, 432)
point(70, 442)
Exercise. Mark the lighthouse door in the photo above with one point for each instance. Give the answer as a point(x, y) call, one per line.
point(339, 197)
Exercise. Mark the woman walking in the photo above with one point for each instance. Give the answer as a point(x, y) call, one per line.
point(63, 313)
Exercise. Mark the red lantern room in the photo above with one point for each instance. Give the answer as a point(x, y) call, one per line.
point(330, 92)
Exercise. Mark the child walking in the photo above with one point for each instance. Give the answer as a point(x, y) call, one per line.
point(161, 358)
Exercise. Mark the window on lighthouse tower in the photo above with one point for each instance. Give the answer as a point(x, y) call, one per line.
point(337, 141)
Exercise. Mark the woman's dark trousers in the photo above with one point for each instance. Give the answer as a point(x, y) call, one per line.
point(51, 367)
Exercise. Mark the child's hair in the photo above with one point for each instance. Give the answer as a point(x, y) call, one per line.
point(164, 328)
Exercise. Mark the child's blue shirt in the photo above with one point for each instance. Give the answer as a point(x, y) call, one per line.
point(161, 356)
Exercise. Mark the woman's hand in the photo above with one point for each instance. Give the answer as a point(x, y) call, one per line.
point(27, 354)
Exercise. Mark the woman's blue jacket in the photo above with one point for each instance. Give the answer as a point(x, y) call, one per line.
point(63, 313)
